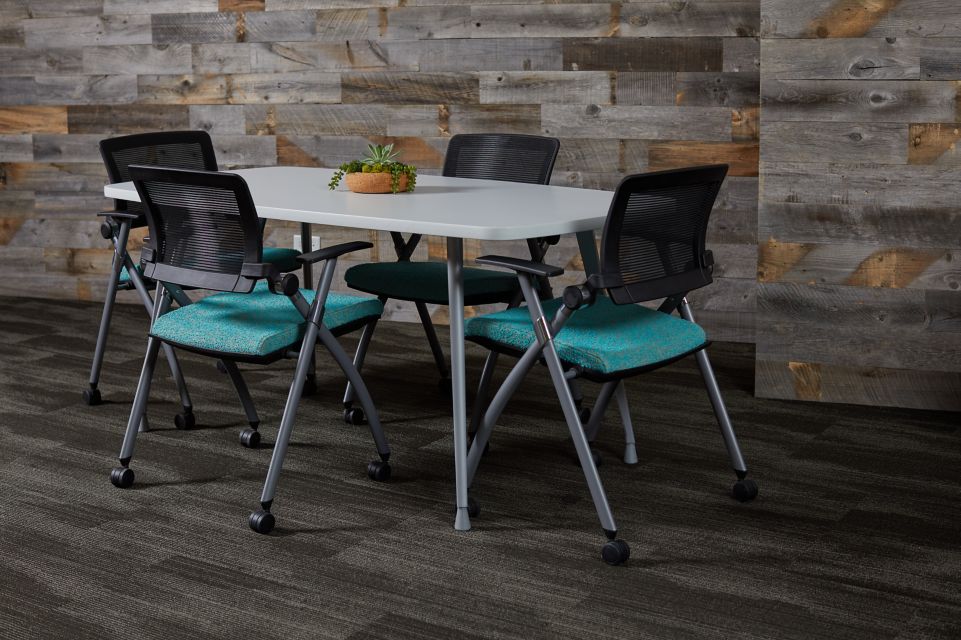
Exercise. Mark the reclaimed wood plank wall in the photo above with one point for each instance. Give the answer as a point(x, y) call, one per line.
point(859, 224)
point(626, 86)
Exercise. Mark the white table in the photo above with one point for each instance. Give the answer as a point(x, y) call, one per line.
point(455, 208)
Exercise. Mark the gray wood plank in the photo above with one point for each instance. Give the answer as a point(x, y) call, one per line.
point(546, 21)
point(292, 87)
point(136, 59)
point(159, 6)
point(218, 119)
point(16, 148)
point(357, 55)
point(67, 90)
point(655, 123)
point(182, 89)
point(222, 58)
point(18, 61)
point(194, 28)
point(843, 59)
point(741, 54)
point(417, 23)
point(884, 18)
point(396, 87)
point(692, 18)
point(309, 119)
point(542, 87)
point(647, 88)
point(941, 58)
point(475, 54)
point(734, 90)
point(884, 143)
point(43, 33)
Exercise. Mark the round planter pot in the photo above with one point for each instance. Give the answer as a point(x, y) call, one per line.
point(373, 182)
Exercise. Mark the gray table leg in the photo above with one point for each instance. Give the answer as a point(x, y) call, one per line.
point(455, 292)
point(585, 242)
point(305, 247)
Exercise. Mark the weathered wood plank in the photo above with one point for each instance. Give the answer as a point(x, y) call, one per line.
point(38, 176)
point(420, 23)
point(474, 54)
point(291, 26)
point(332, 151)
point(292, 87)
point(159, 6)
point(646, 88)
point(62, 8)
point(66, 148)
point(734, 90)
point(240, 151)
point(136, 59)
point(542, 87)
point(396, 87)
point(742, 54)
point(546, 21)
point(218, 119)
point(940, 58)
point(857, 18)
point(741, 157)
point(309, 119)
point(858, 101)
point(18, 61)
point(67, 90)
point(242, 5)
point(44, 33)
point(690, 19)
point(934, 143)
point(874, 386)
point(643, 54)
point(195, 28)
point(31, 119)
point(598, 154)
point(281, 57)
point(884, 143)
point(123, 119)
point(222, 58)
point(843, 59)
point(655, 123)
point(16, 148)
point(746, 124)
point(182, 89)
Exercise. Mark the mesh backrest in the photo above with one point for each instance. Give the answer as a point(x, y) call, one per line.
point(496, 156)
point(203, 227)
point(174, 149)
point(653, 243)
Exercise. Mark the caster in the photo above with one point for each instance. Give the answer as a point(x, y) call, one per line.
point(473, 508)
point(121, 477)
point(185, 420)
point(584, 413)
point(744, 490)
point(221, 368)
point(354, 415)
point(261, 521)
point(615, 552)
point(378, 470)
point(310, 387)
point(250, 438)
point(91, 397)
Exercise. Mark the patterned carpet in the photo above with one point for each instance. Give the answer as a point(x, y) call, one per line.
point(855, 534)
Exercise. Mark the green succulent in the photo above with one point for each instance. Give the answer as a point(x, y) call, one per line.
point(380, 154)
point(381, 158)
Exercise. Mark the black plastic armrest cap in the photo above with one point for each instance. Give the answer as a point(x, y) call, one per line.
point(521, 266)
point(332, 252)
point(259, 270)
point(120, 215)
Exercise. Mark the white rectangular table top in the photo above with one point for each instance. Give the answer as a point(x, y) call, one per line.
point(439, 206)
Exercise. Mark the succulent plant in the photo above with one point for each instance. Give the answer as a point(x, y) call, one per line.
point(380, 154)
point(381, 158)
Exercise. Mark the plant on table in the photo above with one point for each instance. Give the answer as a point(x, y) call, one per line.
point(381, 160)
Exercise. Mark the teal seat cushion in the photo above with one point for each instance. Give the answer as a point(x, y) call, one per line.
point(285, 259)
point(255, 324)
point(604, 338)
point(427, 282)
point(124, 277)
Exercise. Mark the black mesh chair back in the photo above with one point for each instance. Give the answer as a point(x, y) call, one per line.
point(203, 228)
point(497, 156)
point(174, 149)
point(653, 241)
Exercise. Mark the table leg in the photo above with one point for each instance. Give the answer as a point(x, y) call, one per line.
point(305, 247)
point(455, 292)
point(585, 242)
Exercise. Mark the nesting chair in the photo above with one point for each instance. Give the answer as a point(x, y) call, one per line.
point(508, 157)
point(653, 248)
point(174, 149)
point(205, 233)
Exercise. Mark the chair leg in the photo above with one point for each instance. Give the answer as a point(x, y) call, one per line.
point(354, 415)
point(91, 395)
point(123, 475)
point(248, 437)
point(593, 425)
point(262, 520)
point(435, 347)
point(630, 450)
point(615, 551)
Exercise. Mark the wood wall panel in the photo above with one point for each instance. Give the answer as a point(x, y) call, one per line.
point(627, 86)
point(858, 227)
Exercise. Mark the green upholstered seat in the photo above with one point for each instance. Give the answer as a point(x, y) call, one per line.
point(124, 277)
point(256, 324)
point(427, 281)
point(604, 338)
point(285, 259)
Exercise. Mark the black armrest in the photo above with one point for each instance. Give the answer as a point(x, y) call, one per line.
point(120, 215)
point(260, 270)
point(332, 252)
point(521, 266)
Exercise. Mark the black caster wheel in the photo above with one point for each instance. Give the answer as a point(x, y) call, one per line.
point(473, 509)
point(121, 477)
point(310, 387)
point(584, 413)
point(185, 420)
point(744, 490)
point(221, 368)
point(91, 397)
point(250, 438)
point(615, 552)
point(378, 470)
point(261, 521)
point(354, 415)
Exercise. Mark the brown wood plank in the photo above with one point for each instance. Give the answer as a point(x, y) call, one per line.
point(934, 143)
point(310, 119)
point(33, 119)
point(74, 176)
point(742, 157)
point(857, 18)
point(643, 54)
point(123, 119)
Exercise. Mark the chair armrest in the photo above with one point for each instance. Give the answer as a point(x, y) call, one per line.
point(332, 252)
point(119, 215)
point(260, 270)
point(521, 266)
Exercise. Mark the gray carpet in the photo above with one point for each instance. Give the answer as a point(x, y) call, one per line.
point(855, 534)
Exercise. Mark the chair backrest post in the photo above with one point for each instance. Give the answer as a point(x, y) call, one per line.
point(203, 227)
point(653, 244)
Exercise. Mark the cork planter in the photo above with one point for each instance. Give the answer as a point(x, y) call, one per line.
point(359, 182)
